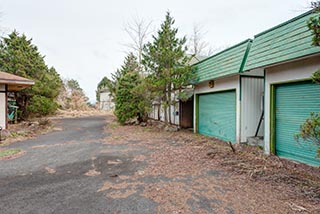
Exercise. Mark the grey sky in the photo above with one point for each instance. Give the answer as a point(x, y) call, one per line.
point(83, 39)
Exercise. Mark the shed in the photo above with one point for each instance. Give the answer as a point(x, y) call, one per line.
point(218, 93)
point(288, 59)
point(10, 83)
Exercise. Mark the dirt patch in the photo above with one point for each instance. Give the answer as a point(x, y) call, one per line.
point(79, 113)
point(26, 130)
point(188, 173)
point(121, 193)
point(119, 185)
point(53, 145)
point(50, 170)
point(92, 173)
point(172, 196)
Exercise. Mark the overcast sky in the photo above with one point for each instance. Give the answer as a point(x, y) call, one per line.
point(83, 39)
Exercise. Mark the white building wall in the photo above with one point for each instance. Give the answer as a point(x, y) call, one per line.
point(3, 106)
point(221, 84)
point(251, 106)
point(174, 111)
point(289, 72)
point(105, 101)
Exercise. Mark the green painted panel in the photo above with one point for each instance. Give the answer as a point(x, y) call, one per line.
point(227, 62)
point(217, 115)
point(288, 41)
point(293, 104)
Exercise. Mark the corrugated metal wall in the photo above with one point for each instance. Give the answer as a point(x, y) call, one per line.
point(251, 106)
point(174, 113)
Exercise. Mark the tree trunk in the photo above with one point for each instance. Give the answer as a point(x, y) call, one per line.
point(170, 103)
point(159, 112)
point(165, 107)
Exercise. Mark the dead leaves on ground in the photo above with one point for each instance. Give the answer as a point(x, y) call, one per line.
point(196, 168)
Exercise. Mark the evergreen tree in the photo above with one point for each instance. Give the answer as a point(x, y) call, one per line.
point(166, 60)
point(103, 84)
point(126, 100)
point(20, 57)
point(314, 23)
point(130, 92)
point(130, 64)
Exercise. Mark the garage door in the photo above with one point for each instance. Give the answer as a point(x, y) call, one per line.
point(217, 115)
point(293, 103)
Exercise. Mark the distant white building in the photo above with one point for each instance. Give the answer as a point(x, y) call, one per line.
point(106, 102)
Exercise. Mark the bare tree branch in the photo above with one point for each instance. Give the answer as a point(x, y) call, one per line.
point(138, 29)
point(196, 44)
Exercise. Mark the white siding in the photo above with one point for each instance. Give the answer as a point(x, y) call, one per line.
point(174, 109)
point(105, 101)
point(289, 72)
point(251, 106)
point(3, 107)
point(221, 84)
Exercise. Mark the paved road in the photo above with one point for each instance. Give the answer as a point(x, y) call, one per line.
point(51, 176)
point(94, 166)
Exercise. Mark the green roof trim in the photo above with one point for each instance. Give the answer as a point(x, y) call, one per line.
point(227, 62)
point(287, 41)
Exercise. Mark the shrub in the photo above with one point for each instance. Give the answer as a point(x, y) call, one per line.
point(310, 130)
point(41, 106)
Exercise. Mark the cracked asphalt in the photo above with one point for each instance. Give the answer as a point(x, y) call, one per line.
point(94, 165)
point(50, 176)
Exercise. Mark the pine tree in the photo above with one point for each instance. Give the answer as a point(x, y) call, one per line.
point(130, 92)
point(20, 57)
point(130, 64)
point(166, 60)
point(126, 100)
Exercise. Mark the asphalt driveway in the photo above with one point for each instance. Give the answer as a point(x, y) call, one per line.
point(51, 176)
point(95, 166)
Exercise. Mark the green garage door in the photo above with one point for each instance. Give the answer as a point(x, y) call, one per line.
point(293, 103)
point(217, 115)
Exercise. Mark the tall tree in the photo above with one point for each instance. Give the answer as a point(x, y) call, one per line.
point(131, 100)
point(166, 60)
point(130, 64)
point(20, 57)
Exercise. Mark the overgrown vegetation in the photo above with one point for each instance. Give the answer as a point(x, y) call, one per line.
point(314, 26)
point(166, 61)
point(127, 102)
point(310, 129)
point(130, 92)
point(20, 57)
point(164, 71)
point(314, 23)
point(72, 96)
